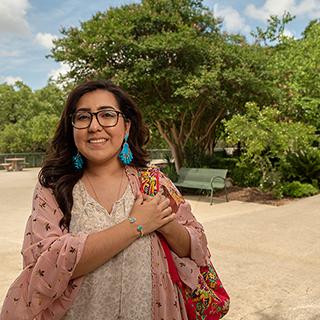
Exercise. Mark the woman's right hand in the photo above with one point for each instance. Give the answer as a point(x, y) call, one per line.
point(153, 213)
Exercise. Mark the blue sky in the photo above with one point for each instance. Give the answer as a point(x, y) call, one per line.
point(27, 28)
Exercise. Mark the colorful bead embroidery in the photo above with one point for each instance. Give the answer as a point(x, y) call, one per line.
point(149, 181)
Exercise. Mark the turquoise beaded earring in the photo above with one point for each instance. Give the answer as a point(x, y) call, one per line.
point(125, 154)
point(77, 162)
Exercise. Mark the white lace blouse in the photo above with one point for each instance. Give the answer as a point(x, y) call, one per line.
point(121, 288)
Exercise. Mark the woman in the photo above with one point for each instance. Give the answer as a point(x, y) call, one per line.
point(91, 248)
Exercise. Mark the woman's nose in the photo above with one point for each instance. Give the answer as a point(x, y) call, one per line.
point(95, 125)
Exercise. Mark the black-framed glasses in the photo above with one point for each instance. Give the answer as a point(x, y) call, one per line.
point(107, 117)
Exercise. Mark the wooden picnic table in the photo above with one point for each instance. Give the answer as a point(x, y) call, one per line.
point(17, 164)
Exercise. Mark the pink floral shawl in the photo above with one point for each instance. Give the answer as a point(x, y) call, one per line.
point(44, 290)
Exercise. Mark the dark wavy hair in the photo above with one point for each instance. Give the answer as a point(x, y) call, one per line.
point(58, 173)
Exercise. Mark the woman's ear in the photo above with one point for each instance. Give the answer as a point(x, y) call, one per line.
point(127, 125)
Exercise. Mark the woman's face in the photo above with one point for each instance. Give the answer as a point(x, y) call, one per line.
point(96, 143)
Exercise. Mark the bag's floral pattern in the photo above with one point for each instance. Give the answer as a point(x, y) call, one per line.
point(209, 300)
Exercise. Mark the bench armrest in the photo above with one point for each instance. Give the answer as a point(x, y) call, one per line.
point(217, 178)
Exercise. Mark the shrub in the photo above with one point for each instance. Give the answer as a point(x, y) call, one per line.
point(195, 158)
point(297, 189)
point(245, 175)
point(303, 165)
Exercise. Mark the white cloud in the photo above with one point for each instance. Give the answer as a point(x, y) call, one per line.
point(288, 33)
point(232, 20)
point(307, 8)
point(45, 39)
point(13, 16)
point(10, 80)
point(9, 53)
point(55, 73)
point(311, 8)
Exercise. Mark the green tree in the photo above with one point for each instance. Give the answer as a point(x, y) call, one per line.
point(275, 30)
point(28, 118)
point(49, 99)
point(295, 66)
point(16, 103)
point(152, 49)
point(279, 140)
point(172, 57)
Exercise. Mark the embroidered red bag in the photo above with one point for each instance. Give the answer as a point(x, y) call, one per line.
point(209, 300)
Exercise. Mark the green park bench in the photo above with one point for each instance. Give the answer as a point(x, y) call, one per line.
point(204, 179)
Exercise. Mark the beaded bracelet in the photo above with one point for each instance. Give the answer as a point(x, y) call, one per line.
point(139, 227)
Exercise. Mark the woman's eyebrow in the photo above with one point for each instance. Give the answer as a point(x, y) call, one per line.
point(99, 108)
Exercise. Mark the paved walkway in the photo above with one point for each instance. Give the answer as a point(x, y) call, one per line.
point(267, 257)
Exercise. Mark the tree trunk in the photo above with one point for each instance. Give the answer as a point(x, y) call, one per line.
point(178, 156)
point(175, 148)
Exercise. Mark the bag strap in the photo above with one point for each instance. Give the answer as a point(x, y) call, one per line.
point(150, 185)
point(171, 265)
